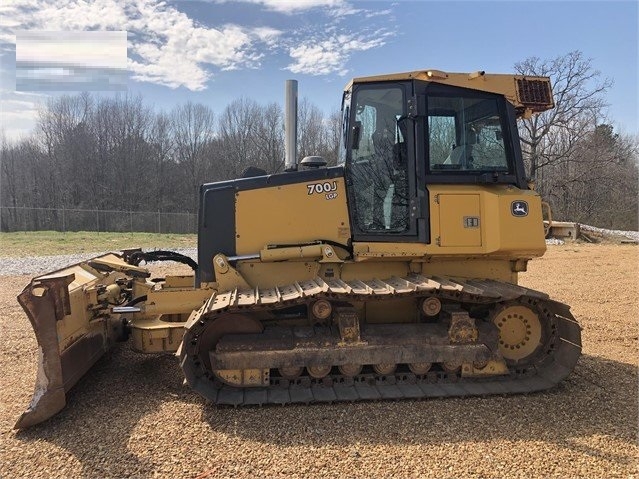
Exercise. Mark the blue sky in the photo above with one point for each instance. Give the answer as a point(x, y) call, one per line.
point(215, 51)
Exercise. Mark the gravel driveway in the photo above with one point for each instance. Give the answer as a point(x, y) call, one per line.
point(131, 417)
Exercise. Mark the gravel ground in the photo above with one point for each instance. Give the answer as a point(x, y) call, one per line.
point(44, 264)
point(133, 418)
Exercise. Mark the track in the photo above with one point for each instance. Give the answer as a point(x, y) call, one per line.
point(560, 353)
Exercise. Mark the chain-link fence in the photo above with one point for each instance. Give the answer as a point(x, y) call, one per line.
point(61, 219)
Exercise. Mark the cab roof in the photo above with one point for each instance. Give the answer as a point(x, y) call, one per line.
point(528, 94)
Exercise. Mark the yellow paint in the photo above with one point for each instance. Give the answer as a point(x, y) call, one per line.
point(268, 275)
point(175, 300)
point(82, 296)
point(459, 220)
point(288, 214)
point(502, 234)
point(501, 84)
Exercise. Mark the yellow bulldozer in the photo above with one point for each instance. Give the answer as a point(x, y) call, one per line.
point(391, 275)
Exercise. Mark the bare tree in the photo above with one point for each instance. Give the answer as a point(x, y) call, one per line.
point(333, 125)
point(603, 191)
point(193, 128)
point(310, 129)
point(586, 170)
point(550, 137)
point(60, 121)
point(162, 147)
point(238, 128)
point(14, 175)
point(269, 138)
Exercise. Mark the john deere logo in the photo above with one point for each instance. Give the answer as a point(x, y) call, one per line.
point(519, 208)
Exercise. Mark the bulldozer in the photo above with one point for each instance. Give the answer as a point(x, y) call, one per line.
point(391, 275)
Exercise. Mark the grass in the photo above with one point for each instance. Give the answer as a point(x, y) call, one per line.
point(44, 243)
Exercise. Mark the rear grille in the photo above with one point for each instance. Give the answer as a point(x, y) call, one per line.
point(534, 93)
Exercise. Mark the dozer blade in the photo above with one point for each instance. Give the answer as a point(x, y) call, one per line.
point(71, 315)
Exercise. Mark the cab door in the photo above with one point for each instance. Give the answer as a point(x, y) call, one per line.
point(382, 179)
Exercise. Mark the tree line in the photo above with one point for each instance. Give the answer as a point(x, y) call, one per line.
point(582, 167)
point(117, 153)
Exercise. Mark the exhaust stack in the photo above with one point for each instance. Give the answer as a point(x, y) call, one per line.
point(290, 126)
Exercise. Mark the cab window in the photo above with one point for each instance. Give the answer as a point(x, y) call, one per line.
point(465, 134)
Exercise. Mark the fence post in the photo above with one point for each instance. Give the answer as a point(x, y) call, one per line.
point(97, 221)
point(158, 221)
point(130, 221)
point(64, 226)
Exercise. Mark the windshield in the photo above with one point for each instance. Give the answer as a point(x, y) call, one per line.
point(465, 134)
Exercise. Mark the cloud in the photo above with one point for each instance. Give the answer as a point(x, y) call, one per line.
point(165, 45)
point(297, 6)
point(328, 50)
point(378, 13)
point(19, 111)
point(267, 35)
point(331, 55)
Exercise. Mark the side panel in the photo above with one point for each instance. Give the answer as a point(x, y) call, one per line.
point(291, 214)
point(520, 233)
point(500, 231)
point(459, 220)
point(242, 216)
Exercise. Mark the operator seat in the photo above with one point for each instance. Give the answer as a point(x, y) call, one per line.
point(381, 174)
point(383, 142)
point(390, 203)
point(462, 155)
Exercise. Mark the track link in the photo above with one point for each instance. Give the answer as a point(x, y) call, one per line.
point(561, 349)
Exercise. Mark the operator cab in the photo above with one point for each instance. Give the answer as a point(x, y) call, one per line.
point(398, 137)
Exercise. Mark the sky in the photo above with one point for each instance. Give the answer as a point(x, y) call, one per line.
point(215, 51)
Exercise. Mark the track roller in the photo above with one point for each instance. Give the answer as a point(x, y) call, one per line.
point(451, 366)
point(384, 369)
point(350, 369)
point(290, 372)
point(419, 368)
point(318, 372)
